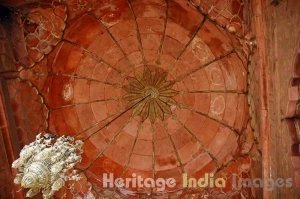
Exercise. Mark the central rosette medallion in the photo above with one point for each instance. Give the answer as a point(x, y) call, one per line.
point(150, 94)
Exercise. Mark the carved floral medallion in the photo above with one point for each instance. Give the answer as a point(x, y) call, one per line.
point(150, 94)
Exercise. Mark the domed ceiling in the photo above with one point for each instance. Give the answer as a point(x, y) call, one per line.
point(154, 88)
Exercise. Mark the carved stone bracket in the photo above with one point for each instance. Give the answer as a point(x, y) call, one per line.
point(293, 117)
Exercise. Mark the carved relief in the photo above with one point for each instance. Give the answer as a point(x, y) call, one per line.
point(150, 95)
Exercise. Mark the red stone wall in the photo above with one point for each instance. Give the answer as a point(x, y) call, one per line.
point(6, 178)
point(6, 53)
point(9, 148)
point(277, 30)
point(15, 3)
point(293, 118)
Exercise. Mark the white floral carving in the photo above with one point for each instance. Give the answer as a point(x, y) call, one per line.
point(44, 165)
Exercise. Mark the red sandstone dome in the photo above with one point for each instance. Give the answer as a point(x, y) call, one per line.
point(154, 88)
